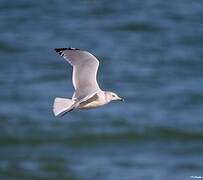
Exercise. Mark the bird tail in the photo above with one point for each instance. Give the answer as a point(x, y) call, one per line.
point(62, 105)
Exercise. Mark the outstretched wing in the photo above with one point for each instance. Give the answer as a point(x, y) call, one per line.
point(85, 67)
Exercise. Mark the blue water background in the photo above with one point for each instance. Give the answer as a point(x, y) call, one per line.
point(150, 52)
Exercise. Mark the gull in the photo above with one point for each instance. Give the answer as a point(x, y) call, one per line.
point(87, 93)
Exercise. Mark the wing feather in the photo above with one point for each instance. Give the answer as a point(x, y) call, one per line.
point(85, 67)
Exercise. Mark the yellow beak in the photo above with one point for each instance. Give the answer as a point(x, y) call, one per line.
point(121, 99)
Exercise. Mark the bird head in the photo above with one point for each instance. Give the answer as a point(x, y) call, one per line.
point(111, 96)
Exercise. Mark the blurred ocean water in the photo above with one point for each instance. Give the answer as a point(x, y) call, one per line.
point(150, 52)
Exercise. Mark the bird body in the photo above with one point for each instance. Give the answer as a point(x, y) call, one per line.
point(99, 99)
point(87, 93)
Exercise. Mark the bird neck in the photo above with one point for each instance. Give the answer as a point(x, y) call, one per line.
point(107, 96)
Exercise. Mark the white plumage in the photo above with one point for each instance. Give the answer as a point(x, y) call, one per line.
point(87, 91)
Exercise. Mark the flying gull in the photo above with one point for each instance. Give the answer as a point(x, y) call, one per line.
point(87, 93)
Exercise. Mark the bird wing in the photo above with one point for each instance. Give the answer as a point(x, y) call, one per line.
point(85, 67)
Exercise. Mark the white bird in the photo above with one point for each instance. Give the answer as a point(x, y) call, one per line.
point(87, 92)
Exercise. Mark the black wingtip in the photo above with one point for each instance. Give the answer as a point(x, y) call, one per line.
point(70, 48)
point(58, 50)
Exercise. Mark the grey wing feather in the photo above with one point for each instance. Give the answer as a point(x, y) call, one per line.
point(85, 67)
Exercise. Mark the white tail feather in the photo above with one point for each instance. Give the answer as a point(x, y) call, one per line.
point(62, 105)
